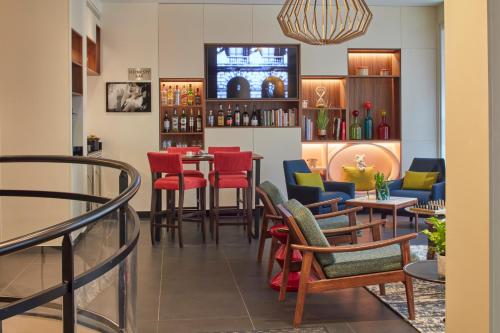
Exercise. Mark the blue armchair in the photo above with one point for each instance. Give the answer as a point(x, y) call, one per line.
point(308, 195)
point(423, 165)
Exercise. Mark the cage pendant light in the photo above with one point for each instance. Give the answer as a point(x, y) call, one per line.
point(320, 22)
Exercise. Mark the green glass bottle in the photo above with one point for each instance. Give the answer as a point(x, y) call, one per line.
point(355, 129)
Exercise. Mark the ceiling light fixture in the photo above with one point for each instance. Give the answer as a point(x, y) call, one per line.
point(321, 22)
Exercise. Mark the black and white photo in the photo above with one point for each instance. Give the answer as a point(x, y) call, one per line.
point(128, 97)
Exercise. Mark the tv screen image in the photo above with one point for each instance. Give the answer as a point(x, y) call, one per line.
point(251, 72)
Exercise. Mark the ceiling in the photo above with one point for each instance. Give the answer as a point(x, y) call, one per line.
point(267, 2)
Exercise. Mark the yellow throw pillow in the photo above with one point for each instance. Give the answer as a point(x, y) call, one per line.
point(363, 180)
point(419, 180)
point(309, 179)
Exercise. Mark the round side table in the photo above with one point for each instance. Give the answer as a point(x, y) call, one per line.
point(424, 270)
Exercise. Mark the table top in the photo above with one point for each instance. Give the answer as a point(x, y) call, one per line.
point(208, 157)
point(392, 202)
point(424, 270)
point(441, 212)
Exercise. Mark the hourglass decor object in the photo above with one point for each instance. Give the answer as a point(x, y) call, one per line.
point(322, 22)
point(320, 97)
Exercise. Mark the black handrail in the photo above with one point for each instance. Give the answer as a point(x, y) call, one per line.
point(70, 282)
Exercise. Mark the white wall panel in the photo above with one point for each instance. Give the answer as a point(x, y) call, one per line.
point(277, 145)
point(418, 28)
point(266, 28)
point(324, 60)
point(384, 30)
point(180, 41)
point(228, 24)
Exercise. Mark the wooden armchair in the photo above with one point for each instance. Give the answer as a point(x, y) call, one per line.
point(337, 219)
point(340, 267)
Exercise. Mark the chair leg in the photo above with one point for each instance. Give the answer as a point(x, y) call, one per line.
point(272, 255)
point(174, 214)
point(203, 209)
point(249, 213)
point(152, 215)
point(179, 218)
point(409, 298)
point(381, 287)
point(264, 234)
point(286, 271)
point(301, 295)
point(216, 214)
point(211, 211)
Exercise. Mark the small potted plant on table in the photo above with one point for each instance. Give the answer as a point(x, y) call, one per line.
point(381, 187)
point(322, 122)
point(437, 236)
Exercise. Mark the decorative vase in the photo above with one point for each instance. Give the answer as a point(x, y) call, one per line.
point(355, 128)
point(382, 192)
point(441, 265)
point(321, 132)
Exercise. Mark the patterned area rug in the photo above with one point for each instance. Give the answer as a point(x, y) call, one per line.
point(429, 300)
point(284, 330)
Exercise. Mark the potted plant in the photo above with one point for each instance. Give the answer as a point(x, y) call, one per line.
point(322, 122)
point(437, 236)
point(381, 187)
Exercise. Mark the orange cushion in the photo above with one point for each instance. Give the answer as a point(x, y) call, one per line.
point(172, 183)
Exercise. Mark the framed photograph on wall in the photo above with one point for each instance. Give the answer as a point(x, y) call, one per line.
point(128, 97)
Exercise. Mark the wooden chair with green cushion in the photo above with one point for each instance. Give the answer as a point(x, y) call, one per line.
point(339, 267)
point(271, 197)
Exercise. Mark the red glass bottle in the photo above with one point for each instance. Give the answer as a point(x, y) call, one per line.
point(384, 131)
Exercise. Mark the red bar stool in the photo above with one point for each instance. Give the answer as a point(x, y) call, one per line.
point(184, 151)
point(232, 170)
point(171, 164)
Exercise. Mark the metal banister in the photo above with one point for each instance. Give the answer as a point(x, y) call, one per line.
point(70, 282)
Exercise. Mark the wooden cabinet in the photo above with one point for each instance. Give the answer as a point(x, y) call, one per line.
point(94, 53)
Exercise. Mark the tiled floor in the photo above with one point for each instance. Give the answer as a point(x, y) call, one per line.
point(204, 288)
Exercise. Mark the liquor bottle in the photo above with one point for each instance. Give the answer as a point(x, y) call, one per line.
point(191, 121)
point(246, 116)
point(177, 96)
point(166, 123)
point(184, 95)
point(197, 97)
point(237, 116)
point(220, 116)
point(368, 123)
point(170, 96)
point(183, 121)
point(255, 120)
point(229, 116)
point(355, 128)
point(163, 94)
point(383, 128)
point(190, 95)
point(211, 119)
point(175, 121)
point(199, 122)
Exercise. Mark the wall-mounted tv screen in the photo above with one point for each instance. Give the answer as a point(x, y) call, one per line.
point(251, 72)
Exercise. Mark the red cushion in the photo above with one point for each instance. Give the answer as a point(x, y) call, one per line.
point(229, 180)
point(172, 183)
point(189, 173)
point(165, 162)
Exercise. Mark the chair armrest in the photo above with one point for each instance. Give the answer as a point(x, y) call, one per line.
point(274, 217)
point(395, 184)
point(345, 230)
point(338, 213)
point(348, 188)
point(332, 202)
point(356, 247)
point(303, 194)
point(438, 191)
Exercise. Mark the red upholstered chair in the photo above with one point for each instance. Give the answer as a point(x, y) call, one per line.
point(184, 151)
point(176, 180)
point(232, 170)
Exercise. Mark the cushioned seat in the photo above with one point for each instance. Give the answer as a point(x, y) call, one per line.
point(172, 183)
point(189, 173)
point(382, 259)
point(273, 192)
point(324, 196)
point(333, 222)
point(422, 196)
point(229, 180)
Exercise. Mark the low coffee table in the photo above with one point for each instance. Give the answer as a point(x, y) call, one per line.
point(424, 270)
point(391, 204)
